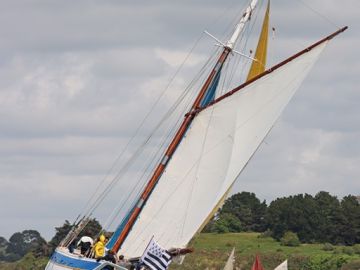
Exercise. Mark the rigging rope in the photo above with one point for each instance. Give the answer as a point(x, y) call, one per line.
point(171, 131)
point(325, 18)
point(161, 148)
point(94, 201)
point(228, 76)
point(198, 161)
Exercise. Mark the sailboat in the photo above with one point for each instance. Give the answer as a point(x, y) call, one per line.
point(230, 261)
point(282, 266)
point(257, 264)
point(214, 142)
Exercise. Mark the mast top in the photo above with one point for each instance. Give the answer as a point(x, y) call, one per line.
point(240, 26)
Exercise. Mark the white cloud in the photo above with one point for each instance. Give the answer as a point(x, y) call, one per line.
point(175, 58)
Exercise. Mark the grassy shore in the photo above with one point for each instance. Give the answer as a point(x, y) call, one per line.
point(212, 251)
point(29, 262)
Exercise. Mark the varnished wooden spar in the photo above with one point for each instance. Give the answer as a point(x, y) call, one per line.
point(188, 118)
point(170, 150)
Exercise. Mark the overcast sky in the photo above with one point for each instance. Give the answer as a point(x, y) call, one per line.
point(76, 78)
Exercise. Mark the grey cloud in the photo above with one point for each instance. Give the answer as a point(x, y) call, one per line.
point(76, 78)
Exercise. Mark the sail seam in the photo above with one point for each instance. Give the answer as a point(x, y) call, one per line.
point(197, 169)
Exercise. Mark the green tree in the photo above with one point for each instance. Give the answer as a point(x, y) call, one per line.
point(60, 234)
point(226, 223)
point(316, 219)
point(290, 239)
point(305, 218)
point(295, 213)
point(329, 216)
point(3, 247)
point(92, 229)
point(24, 242)
point(349, 229)
point(276, 217)
point(248, 209)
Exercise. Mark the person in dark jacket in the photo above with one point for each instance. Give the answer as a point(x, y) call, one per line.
point(110, 257)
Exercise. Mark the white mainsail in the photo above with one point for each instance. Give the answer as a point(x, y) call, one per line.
point(216, 148)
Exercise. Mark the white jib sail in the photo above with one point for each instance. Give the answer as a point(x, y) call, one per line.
point(217, 146)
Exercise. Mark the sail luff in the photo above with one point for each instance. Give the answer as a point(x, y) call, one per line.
point(215, 209)
point(258, 65)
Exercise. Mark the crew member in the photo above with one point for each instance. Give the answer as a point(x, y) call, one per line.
point(85, 243)
point(99, 247)
point(110, 257)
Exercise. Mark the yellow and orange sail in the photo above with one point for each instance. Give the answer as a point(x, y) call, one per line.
point(258, 65)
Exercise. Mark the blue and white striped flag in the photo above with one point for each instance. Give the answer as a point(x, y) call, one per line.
point(155, 257)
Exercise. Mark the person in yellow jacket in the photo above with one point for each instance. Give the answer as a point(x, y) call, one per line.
point(99, 247)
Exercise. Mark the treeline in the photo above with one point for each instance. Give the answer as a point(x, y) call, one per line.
point(21, 243)
point(319, 219)
point(314, 219)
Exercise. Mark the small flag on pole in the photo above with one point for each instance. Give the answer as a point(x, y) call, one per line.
point(155, 257)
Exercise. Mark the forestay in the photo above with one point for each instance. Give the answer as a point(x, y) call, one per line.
point(216, 148)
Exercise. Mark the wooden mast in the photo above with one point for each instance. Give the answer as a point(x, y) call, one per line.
point(169, 152)
point(183, 128)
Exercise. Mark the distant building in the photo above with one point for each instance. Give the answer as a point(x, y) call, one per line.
point(358, 198)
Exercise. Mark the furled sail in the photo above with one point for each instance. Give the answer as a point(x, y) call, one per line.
point(216, 148)
point(258, 65)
